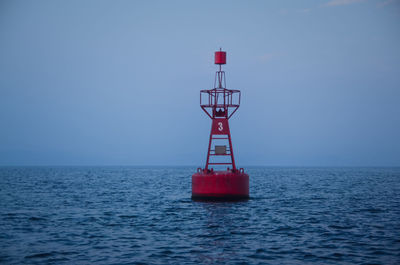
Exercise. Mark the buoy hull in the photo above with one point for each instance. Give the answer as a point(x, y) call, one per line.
point(220, 185)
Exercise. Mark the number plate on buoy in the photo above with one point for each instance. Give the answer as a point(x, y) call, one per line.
point(220, 126)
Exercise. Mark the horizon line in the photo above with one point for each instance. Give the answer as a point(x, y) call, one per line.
point(194, 166)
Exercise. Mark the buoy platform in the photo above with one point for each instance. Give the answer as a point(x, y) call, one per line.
point(220, 185)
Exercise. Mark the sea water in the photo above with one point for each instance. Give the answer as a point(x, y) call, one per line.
point(144, 215)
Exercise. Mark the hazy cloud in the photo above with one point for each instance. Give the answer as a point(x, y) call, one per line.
point(342, 2)
point(388, 2)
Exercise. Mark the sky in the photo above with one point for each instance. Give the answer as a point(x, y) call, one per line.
point(117, 82)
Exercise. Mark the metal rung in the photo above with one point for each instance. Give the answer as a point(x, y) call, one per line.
point(220, 163)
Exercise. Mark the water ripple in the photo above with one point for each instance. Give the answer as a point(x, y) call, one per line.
point(137, 215)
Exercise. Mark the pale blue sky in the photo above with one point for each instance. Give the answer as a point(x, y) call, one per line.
point(117, 82)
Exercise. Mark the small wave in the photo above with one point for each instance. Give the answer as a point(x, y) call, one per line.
point(372, 210)
point(51, 254)
point(95, 236)
point(127, 216)
point(340, 227)
point(167, 252)
point(283, 229)
point(260, 250)
point(309, 256)
point(337, 255)
point(379, 252)
point(34, 218)
point(262, 257)
point(39, 255)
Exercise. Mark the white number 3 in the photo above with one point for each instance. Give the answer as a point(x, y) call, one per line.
point(220, 128)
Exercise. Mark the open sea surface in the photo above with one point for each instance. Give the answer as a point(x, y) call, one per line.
point(139, 215)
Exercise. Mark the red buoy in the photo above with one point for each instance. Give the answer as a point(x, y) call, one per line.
point(220, 104)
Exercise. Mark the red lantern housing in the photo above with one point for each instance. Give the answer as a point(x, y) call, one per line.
point(220, 57)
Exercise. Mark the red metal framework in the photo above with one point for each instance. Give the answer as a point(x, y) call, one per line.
point(220, 104)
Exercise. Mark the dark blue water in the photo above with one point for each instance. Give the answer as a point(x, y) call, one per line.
point(127, 215)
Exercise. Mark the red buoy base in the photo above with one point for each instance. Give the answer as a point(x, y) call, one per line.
point(220, 185)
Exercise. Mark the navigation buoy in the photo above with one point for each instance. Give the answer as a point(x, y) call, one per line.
point(220, 104)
